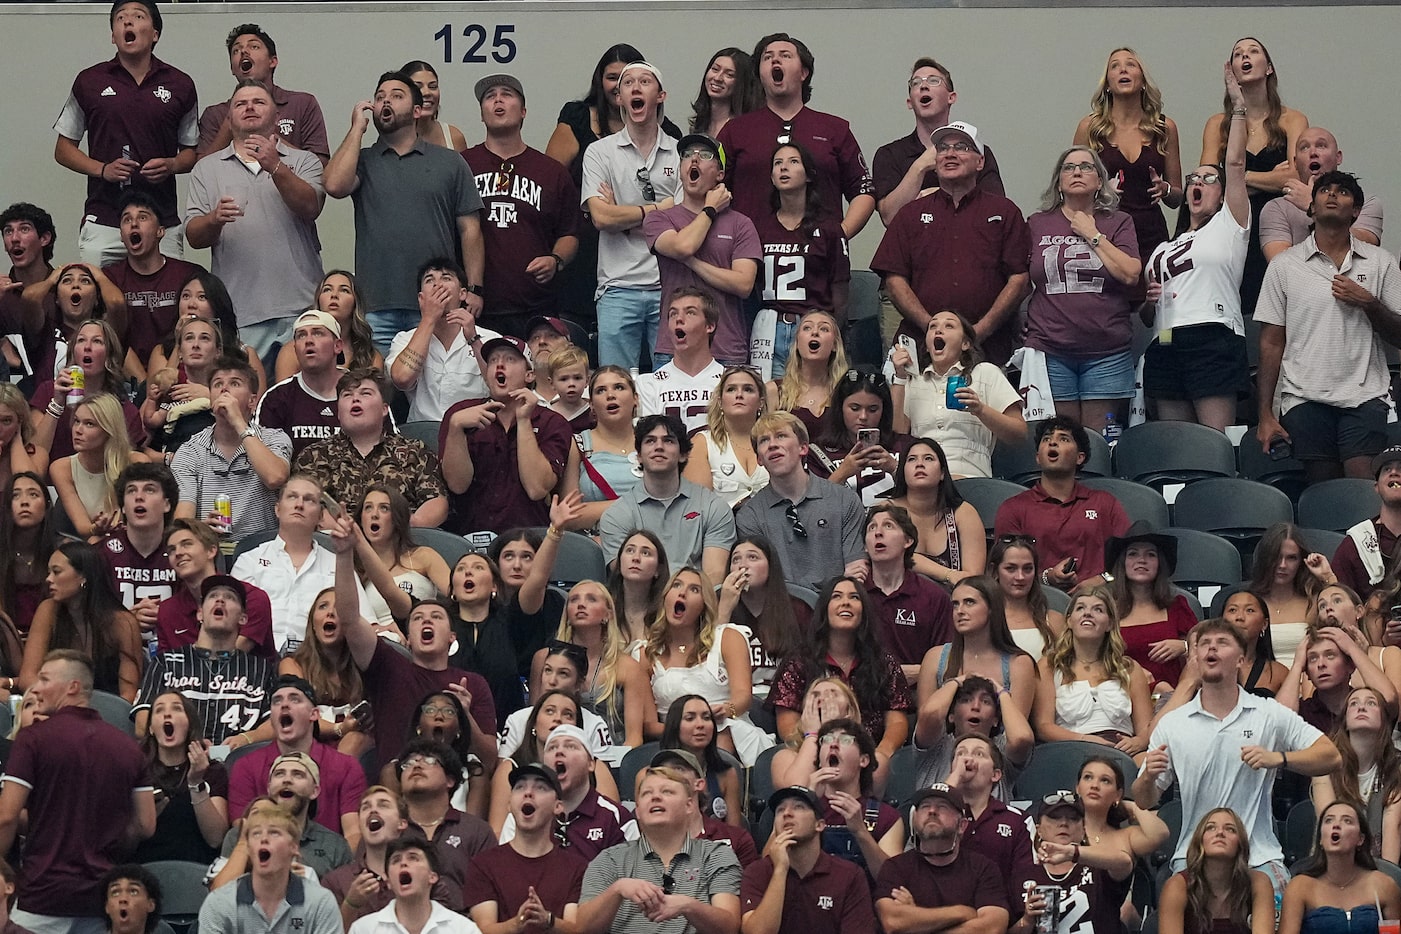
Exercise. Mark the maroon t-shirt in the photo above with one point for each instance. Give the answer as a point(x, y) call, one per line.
point(971, 879)
point(146, 117)
point(750, 141)
point(799, 267)
point(525, 210)
point(504, 876)
point(893, 160)
point(957, 258)
point(1078, 309)
point(63, 431)
point(394, 686)
point(306, 419)
point(496, 499)
point(134, 575)
point(81, 774)
point(911, 619)
point(177, 621)
point(834, 896)
point(152, 302)
point(1080, 526)
point(299, 121)
point(739, 840)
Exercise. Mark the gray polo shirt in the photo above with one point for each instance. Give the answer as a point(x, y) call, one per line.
point(832, 517)
point(203, 473)
point(624, 260)
point(270, 259)
point(704, 868)
point(406, 211)
point(306, 909)
point(690, 522)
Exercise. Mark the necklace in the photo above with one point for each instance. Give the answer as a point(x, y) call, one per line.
point(1062, 877)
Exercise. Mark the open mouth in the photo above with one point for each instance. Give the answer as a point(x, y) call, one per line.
point(679, 334)
point(612, 408)
point(264, 856)
point(939, 344)
point(374, 528)
point(123, 913)
point(168, 728)
point(678, 608)
point(814, 345)
point(834, 760)
point(527, 809)
point(405, 878)
point(637, 105)
point(129, 35)
point(925, 100)
point(1246, 67)
point(776, 73)
point(286, 794)
point(695, 173)
point(425, 637)
point(374, 822)
point(135, 238)
point(356, 409)
point(1336, 836)
point(438, 732)
point(501, 378)
point(245, 64)
point(560, 768)
point(1315, 167)
point(75, 299)
point(284, 720)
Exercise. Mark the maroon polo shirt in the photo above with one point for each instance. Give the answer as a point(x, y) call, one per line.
point(713, 828)
point(525, 210)
point(834, 896)
point(750, 140)
point(1000, 833)
point(496, 500)
point(81, 774)
point(306, 419)
point(913, 618)
point(394, 686)
point(146, 117)
point(458, 839)
point(152, 302)
point(502, 875)
point(136, 576)
point(339, 880)
point(596, 824)
point(971, 879)
point(177, 621)
point(800, 267)
point(894, 159)
point(342, 782)
point(299, 121)
point(1079, 526)
point(957, 258)
point(1348, 566)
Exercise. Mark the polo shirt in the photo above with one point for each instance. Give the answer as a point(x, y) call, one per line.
point(204, 473)
point(1281, 221)
point(342, 782)
point(299, 121)
point(832, 516)
point(700, 870)
point(501, 875)
point(152, 301)
point(449, 375)
point(291, 590)
point(269, 258)
point(155, 119)
point(1000, 833)
point(894, 159)
point(624, 260)
point(441, 920)
point(737, 838)
point(1079, 526)
point(497, 470)
point(395, 686)
point(750, 140)
point(231, 690)
point(957, 258)
point(526, 208)
point(177, 620)
point(966, 441)
point(320, 849)
point(833, 896)
point(81, 774)
point(595, 825)
point(1348, 565)
point(731, 236)
point(1332, 354)
point(306, 417)
point(1204, 761)
point(912, 618)
point(458, 839)
point(306, 909)
point(691, 521)
point(971, 879)
point(406, 211)
point(339, 880)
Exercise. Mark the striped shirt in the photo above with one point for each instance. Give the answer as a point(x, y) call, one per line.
point(204, 474)
point(701, 870)
point(231, 690)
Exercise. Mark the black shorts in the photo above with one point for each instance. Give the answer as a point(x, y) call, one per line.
point(1322, 432)
point(1202, 361)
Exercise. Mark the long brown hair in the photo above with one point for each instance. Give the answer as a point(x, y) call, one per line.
point(1274, 130)
point(330, 671)
point(1239, 899)
point(1345, 778)
point(998, 634)
point(1036, 598)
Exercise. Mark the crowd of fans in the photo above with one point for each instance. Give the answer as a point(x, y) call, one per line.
point(361, 716)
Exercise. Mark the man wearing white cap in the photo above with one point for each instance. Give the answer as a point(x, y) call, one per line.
point(304, 404)
point(255, 204)
point(960, 248)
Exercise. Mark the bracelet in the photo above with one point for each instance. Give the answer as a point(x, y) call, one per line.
point(551, 922)
point(54, 408)
point(102, 172)
point(559, 261)
point(731, 709)
point(709, 212)
point(809, 736)
point(643, 209)
point(1238, 112)
point(9, 683)
point(1045, 580)
point(277, 168)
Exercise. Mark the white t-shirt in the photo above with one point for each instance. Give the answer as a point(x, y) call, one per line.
point(672, 391)
point(1200, 272)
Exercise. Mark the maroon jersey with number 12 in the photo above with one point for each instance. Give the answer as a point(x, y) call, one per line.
point(800, 267)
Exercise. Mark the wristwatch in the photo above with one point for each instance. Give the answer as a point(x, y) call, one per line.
point(476, 290)
point(1094, 241)
point(249, 432)
point(201, 788)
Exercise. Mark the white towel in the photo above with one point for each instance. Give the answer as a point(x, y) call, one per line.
point(761, 337)
point(1035, 388)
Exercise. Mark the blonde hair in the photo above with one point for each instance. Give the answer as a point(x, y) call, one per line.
point(11, 398)
point(1112, 652)
point(715, 411)
point(772, 421)
point(568, 355)
point(789, 391)
point(189, 321)
point(264, 811)
point(662, 771)
point(705, 626)
point(614, 647)
point(1153, 124)
point(116, 451)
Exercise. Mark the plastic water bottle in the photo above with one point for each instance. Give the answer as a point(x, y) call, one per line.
point(1112, 429)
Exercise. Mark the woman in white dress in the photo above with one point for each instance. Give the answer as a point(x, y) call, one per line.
point(722, 454)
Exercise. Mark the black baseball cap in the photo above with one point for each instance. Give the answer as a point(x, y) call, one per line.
point(805, 795)
point(528, 769)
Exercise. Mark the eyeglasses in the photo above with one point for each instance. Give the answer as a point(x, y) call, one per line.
point(1071, 168)
point(1210, 178)
point(433, 710)
point(503, 177)
point(1060, 797)
point(791, 513)
point(644, 182)
point(960, 146)
point(932, 81)
point(859, 376)
point(668, 883)
point(419, 759)
point(785, 134)
point(841, 739)
point(698, 152)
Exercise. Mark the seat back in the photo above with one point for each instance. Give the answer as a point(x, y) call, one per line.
point(423, 430)
point(986, 494)
point(1338, 504)
point(1204, 558)
point(1158, 453)
point(451, 547)
point(114, 710)
point(1055, 766)
point(579, 559)
point(1237, 510)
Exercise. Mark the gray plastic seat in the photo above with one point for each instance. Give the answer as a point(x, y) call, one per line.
point(1140, 502)
point(1338, 504)
point(1159, 453)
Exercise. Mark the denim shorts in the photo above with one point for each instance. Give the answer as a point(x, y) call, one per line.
point(1110, 377)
